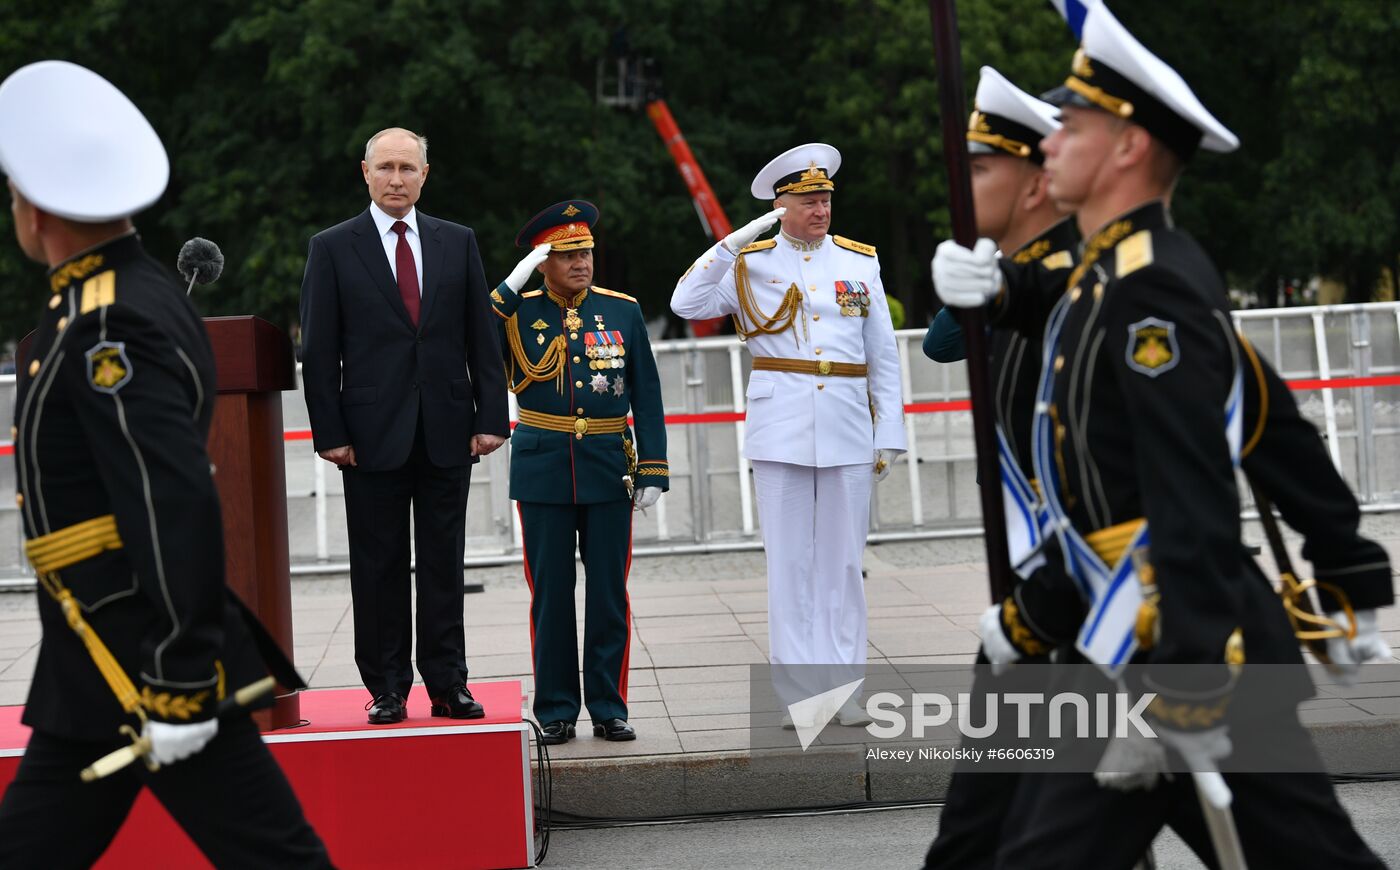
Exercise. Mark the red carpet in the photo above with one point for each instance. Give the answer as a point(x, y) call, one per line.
point(469, 779)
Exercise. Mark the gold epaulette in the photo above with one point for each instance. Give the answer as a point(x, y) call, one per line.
point(532, 294)
point(759, 246)
point(852, 245)
point(613, 293)
point(99, 291)
point(1133, 253)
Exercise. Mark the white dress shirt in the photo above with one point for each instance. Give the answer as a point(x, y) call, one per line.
point(809, 419)
point(385, 223)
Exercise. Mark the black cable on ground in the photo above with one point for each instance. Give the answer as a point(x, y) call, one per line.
point(544, 792)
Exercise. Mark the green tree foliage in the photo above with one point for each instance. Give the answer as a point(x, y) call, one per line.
point(265, 106)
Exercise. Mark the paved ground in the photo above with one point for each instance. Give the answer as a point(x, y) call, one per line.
point(885, 840)
point(700, 622)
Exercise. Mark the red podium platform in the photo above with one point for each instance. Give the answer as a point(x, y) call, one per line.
point(462, 795)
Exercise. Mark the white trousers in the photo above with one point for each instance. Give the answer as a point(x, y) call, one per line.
point(814, 527)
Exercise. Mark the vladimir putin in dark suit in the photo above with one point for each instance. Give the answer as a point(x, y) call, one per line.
point(405, 388)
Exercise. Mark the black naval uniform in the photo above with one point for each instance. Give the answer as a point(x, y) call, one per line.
point(1145, 362)
point(112, 415)
point(975, 809)
point(567, 462)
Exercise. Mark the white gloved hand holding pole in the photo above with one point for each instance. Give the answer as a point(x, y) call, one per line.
point(521, 273)
point(171, 743)
point(965, 278)
point(736, 240)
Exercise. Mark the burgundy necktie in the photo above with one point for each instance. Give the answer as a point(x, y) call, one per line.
point(407, 272)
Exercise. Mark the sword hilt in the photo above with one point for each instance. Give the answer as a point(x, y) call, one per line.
point(141, 745)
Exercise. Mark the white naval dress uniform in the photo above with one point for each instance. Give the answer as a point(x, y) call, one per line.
point(811, 438)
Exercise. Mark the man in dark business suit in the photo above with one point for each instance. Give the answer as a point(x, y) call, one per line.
point(405, 389)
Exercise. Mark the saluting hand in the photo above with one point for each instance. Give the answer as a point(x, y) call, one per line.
point(736, 240)
point(521, 273)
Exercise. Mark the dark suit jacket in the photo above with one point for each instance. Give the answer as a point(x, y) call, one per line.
point(368, 372)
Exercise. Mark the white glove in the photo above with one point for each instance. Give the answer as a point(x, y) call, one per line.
point(522, 271)
point(1201, 750)
point(1131, 762)
point(1348, 655)
point(736, 240)
point(995, 645)
point(172, 743)
point(963, 278)
point(884, 463)
point(646, 496)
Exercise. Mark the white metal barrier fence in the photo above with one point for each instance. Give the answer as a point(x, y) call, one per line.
point(1343, 363)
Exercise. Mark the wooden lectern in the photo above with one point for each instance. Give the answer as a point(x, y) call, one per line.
point(255, 365)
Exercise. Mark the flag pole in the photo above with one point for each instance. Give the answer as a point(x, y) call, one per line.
point(948, 56)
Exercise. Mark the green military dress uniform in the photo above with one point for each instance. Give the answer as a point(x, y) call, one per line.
point(578, 366)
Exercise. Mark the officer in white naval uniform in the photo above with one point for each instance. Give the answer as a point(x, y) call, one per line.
point(825, 414)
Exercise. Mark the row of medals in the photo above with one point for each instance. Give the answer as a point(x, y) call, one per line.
point(606, 356)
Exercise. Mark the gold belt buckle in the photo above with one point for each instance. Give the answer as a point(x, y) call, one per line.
point(580, 427)
point(824, 367)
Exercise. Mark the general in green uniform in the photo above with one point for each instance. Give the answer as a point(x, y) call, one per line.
point(578, 359)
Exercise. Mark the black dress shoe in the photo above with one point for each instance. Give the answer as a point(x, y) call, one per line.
point(557, 732)
point(614, 729)
point(387, 709)
point(458, 703)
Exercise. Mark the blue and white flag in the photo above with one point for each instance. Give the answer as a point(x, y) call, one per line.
point(1073, 11)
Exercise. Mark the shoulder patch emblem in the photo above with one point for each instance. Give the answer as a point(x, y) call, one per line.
point(108, 367)
point(1133, 253)
point(759, 246)
point(852, 245)
point(99, 291)
point(603, 291)
point(1152, 347)
point(1058, 260)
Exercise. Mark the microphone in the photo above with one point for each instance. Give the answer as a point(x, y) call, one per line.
point(200, 262)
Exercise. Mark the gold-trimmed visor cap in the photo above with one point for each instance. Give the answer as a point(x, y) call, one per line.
point(1007, 120)
point(805, 169)
point(565, 226)
point(1114, 72)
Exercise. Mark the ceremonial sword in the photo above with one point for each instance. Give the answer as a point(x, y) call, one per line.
point(140, 746)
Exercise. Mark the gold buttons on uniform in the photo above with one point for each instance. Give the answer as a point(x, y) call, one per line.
point(811, 286)
point(34, 368)
point(821, 386)
point(55, 300)
point(575, 359)
point(573, 336)
point(807, 258)
point(578, 384)
point(580, 412)
point(816, 317)
point(817, 351)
